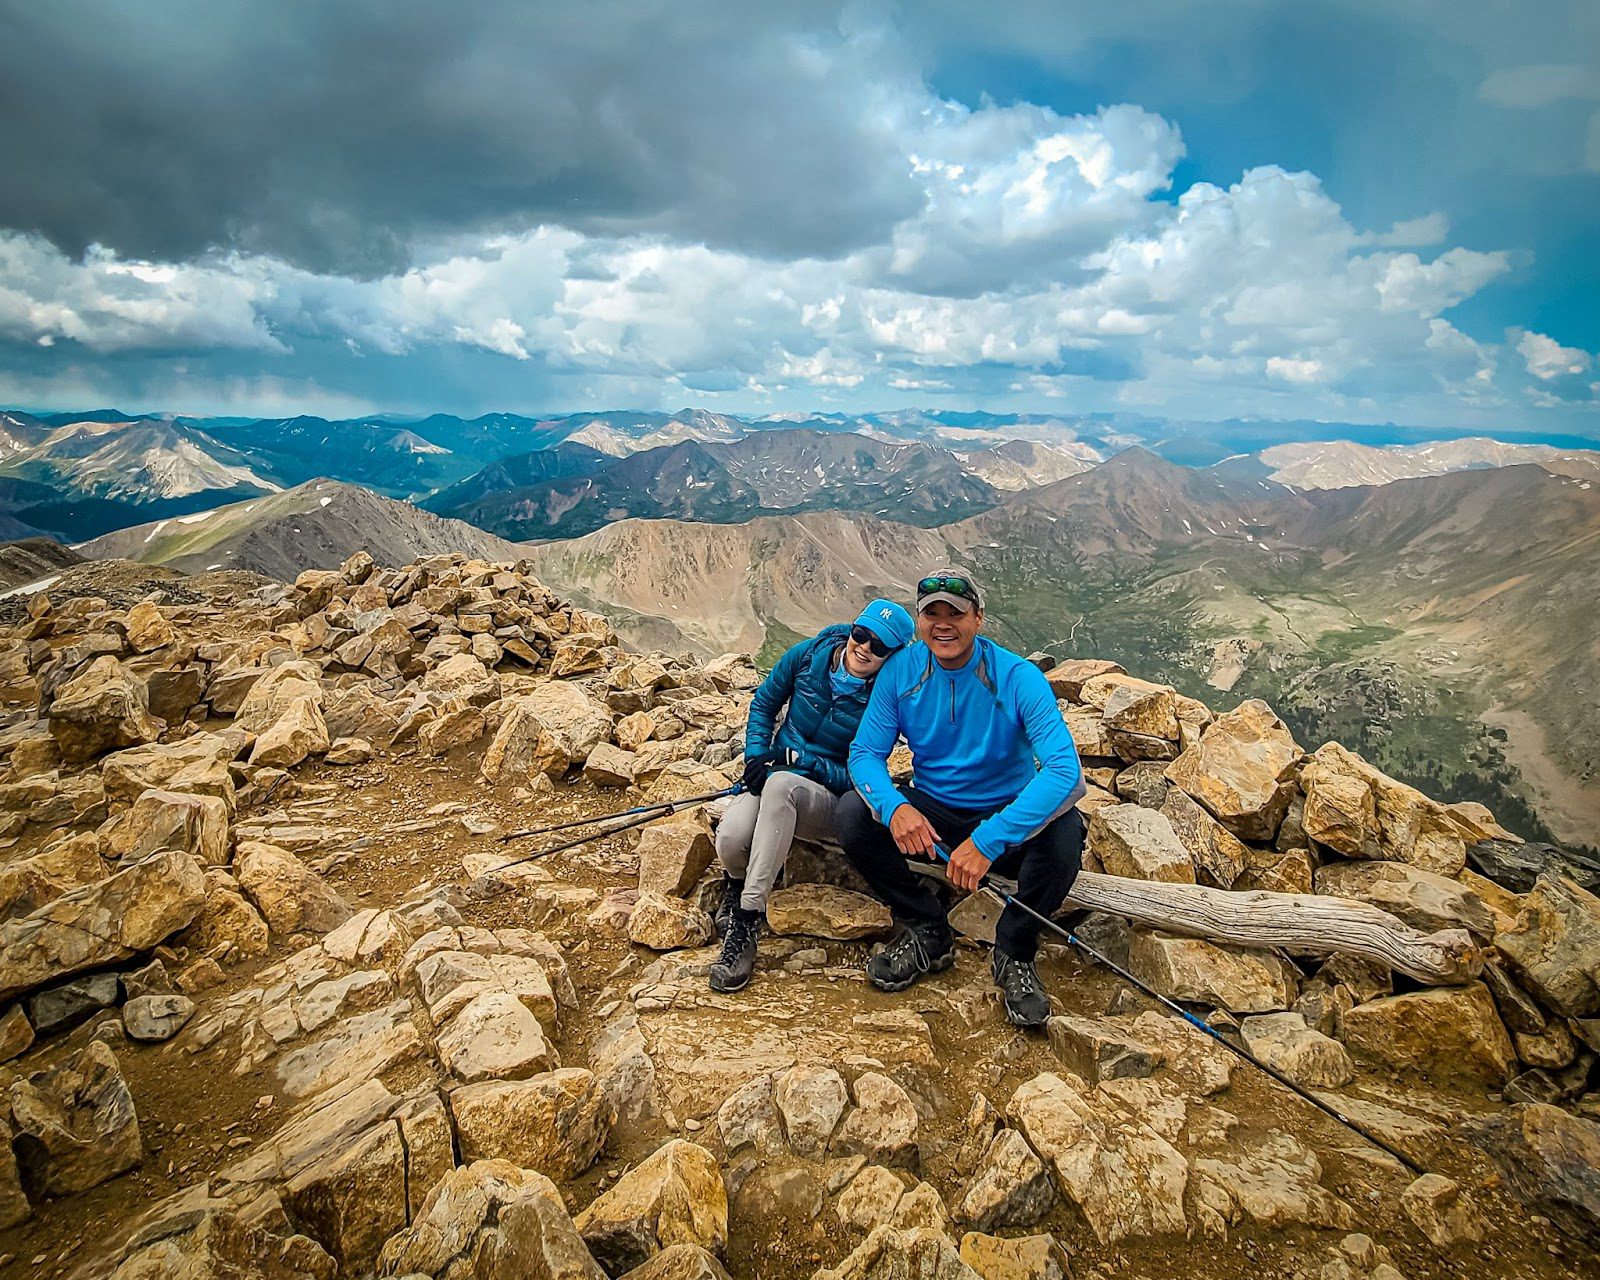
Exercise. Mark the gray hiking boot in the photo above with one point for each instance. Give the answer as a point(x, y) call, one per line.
point(920, 946)
point(733, 967)
point(1023, 993)
point(731, 891)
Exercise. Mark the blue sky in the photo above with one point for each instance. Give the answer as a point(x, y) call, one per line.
point(1344, 210)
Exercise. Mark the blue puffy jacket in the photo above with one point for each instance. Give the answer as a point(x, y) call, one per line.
point(819, 724)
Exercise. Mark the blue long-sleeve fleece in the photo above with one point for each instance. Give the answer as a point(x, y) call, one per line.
point(975, 734)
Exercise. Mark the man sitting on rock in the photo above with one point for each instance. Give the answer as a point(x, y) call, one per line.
point(996, 781)
point(795, 772)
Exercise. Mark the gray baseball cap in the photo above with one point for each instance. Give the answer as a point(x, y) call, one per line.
point(956, 587)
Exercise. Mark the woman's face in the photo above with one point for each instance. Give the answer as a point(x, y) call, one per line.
point(860, 661)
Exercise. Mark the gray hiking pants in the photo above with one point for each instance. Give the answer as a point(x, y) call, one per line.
point(755, 833)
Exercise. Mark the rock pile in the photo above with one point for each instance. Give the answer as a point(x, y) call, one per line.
point(523, 1072)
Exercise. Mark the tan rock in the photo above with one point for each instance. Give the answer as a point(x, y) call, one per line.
point(674, 853)
point(1067, 677)
point(463, 679)
point(300, 731)
point(1242, 770)
point(675, 1196)
point(1411, 828)
point(495, 1037)
point(148, 629)
point(1089, 733)
point(1275, 1185)
point(1016, 1258)
point(290, 896)
point(633, 731)
point(219, 1243)
point(228, 925)
point(457, 727)
point(556, 1122)
point(1445, 1033)
point(75, 1123)
point(100, 924)
point(104, 707)
point(890, 1252)
point(882, 1126)
point(1284, 1041)
point(511, 753)
point(277, 688)
point(510, 1222)
point(1422, 899)
point(1438, 1208)
point(1123, 1175)
point(1341, 811)
point(810, 1099)
point(192, 824)
point(349, 751)
point(1140, 844)
point(609, 766)
point(668, 924)
point(29, 883)
point(196, 766)
point(1219, 857)
point(827, 911)
point(1554, 946)
point(16, 1037)
point(1009, 1188)
point(1238, 979)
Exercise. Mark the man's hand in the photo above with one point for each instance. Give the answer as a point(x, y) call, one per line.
point(913, 833)
point(967, 867)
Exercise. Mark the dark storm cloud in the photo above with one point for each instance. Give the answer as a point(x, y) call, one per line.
point(338, 135)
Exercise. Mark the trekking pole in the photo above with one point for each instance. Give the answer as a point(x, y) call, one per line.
point(610, 817)
point(649, 814)
point(1010, 900)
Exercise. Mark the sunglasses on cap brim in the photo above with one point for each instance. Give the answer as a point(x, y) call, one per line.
point(868, 637)
point(954, 586)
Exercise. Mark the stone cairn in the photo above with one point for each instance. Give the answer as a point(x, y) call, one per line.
point(431, 1127)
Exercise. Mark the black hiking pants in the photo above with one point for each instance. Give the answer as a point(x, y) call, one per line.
point(1043, 866)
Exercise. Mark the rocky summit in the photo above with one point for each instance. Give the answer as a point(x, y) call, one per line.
point(276, 1000)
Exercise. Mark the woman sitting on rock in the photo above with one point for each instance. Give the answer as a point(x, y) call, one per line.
point(795, 772)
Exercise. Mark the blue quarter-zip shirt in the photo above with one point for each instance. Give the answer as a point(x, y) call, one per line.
point(986, 736)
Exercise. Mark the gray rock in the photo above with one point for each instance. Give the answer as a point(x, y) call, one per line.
point(1551, 1162)
point(155, 1018)
point(1011, 1187)
point(59, 1008)
point(1517, 866)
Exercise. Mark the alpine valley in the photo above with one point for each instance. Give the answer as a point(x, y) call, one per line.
point(1430, 603)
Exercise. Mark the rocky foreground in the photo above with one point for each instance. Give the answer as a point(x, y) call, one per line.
point(272, 1002)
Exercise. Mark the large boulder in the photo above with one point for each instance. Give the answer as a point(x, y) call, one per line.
point(1009, 1188)
point(192, 824)
point(217, 1244)
point(511, 752)
point(1238, 979)
point(290, 895)
point(1422, 899)
point(1242, 770)
point(490, 1221)
point(573, 725)
point(883, 1124)
point(1123, 1175)
point(196, 766)
point(668, 924)
point(1219, 856)
point(1554, 946)
point(1393, 821)
point(75, 1124)
point(674, 853)
point(827, 911)
point(102, 923)
point(555, 1123)
point(102, 708)
point(1442, 1034)
point(299, 731)
point(1140, 844)
point(277, 689)
point(1551, 1162)
point(675, 1196)
point(810, 1099)
point(1284, 1042)
point(902, 1253)
point(463, 679)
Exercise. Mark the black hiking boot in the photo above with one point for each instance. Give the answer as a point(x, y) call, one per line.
point(1018, 980)
point(733, 967)
point(919, 947)
point(731, 890)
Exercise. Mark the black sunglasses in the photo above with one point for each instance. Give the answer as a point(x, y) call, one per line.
point(868, 637)
point(955, 586)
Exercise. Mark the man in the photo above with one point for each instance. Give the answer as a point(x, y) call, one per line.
point(996, 781)
point(794, 772)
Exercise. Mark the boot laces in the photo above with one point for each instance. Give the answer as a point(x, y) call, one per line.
point(1021, 977)
point(739, 935)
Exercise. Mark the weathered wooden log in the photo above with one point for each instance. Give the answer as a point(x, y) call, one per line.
point(1304, 923)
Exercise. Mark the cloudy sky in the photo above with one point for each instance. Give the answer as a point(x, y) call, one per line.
point(1343, 209)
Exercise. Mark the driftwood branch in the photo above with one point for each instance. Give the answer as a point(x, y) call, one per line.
point(1304, 923)
point(1308, 924)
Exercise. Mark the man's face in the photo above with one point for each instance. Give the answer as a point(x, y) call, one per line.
point(947, 631)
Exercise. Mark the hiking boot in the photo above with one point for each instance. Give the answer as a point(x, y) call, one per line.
point(1025, 1000)
point(723, 917)
point(733, 967)
point(920, 946)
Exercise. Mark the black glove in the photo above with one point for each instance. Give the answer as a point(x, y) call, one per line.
point(756, 769)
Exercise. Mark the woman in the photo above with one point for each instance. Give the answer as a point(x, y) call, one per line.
point(794, 773)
